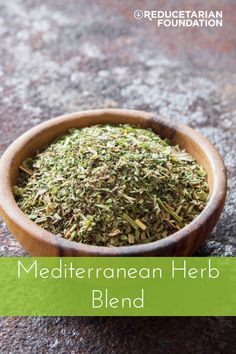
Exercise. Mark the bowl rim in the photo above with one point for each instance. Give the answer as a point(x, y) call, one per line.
point(10, 209)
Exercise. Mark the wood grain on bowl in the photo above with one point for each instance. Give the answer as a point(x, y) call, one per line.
point(40, 242)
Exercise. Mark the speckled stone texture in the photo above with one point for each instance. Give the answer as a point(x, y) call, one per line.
point(58, 57)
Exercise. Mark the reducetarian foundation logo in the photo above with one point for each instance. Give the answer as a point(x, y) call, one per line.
point(181, 18)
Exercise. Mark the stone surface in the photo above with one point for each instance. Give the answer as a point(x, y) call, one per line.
point(59, 57)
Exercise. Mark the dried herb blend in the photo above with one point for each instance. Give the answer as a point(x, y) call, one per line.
point(111, 185)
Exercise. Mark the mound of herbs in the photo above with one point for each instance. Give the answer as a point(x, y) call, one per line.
point(111, 186)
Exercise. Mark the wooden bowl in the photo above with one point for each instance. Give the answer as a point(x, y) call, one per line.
point(40, 242)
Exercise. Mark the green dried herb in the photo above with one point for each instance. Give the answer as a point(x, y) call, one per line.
point(111, 185)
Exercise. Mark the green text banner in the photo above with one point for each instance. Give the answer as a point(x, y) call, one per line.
point(140, 286)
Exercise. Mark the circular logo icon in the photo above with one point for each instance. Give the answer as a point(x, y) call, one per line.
point(138, 14)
